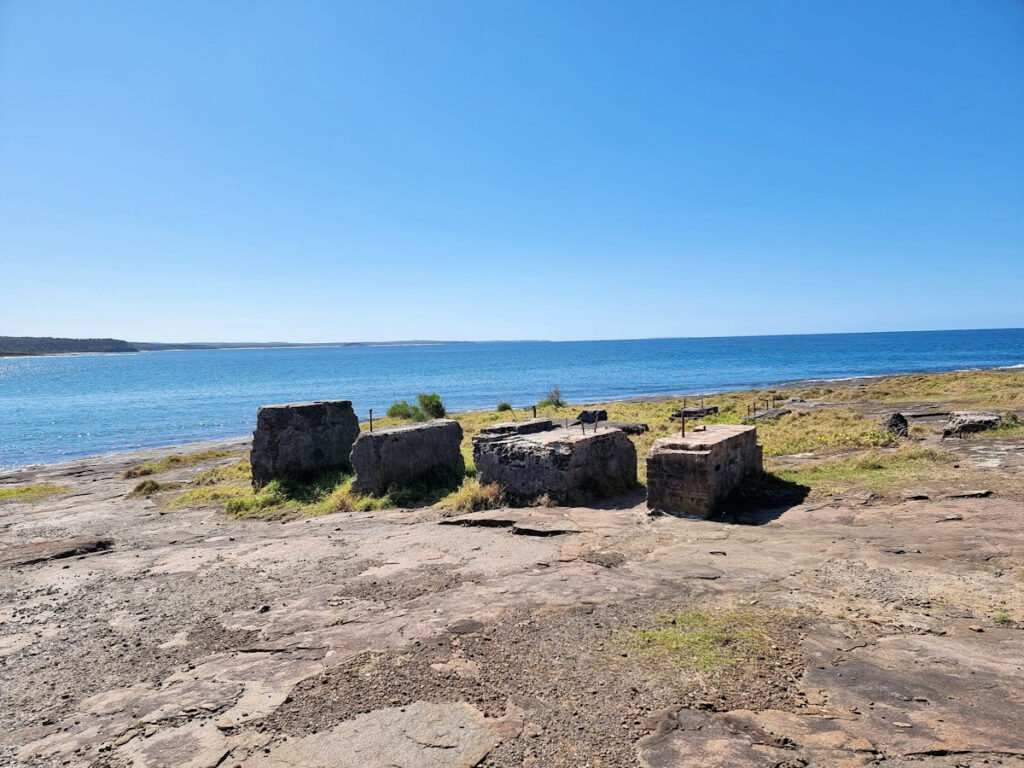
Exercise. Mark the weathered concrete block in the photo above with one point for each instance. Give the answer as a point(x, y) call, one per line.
point(692, 475)
point(962, 422)
point(591, 415)
point(629, 427)
point(694, 412)
point(896, 423)
point(403, 455)
point(519, 427)
point(563, 463)
point(299, 440)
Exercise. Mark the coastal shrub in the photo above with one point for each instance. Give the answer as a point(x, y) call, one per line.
point(431, 404)
point(504, 407)
point(554, 399)
point(403, 409)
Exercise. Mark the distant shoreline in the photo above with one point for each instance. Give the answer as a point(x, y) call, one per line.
point(241, 442)
point(12, 347)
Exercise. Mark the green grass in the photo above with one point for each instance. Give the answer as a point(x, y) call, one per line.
point(174, 461)
point(967, 389)
point(329, 492)
point(472, 496)
point(1005, 619)
point(874, 470)
point(28, 493)
point(707, 643)
point(149, 487)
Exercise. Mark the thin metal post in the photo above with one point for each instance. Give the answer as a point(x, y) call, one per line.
point(535, 411)
point(682, 422)
point(371, 419)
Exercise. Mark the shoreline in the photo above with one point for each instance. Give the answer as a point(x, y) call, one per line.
point(138, 455)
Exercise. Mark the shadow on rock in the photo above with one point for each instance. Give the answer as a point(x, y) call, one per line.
point(762, 499)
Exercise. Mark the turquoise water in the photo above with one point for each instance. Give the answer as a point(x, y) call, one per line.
point(58, 408)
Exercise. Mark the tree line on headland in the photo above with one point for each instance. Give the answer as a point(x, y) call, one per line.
point(17, 346)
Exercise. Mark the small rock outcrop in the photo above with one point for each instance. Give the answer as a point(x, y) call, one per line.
point(963, 422)
point(567, 464)
point(896, 423)
point(403, 455)
point(299, 440)
point(592, 416)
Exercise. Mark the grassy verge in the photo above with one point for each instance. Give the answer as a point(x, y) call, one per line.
point(876, 471)
point(969, 389)
point(327, 493)
point(28, 493)
point(174, 461)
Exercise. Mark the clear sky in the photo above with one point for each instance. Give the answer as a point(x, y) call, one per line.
point(509, 169)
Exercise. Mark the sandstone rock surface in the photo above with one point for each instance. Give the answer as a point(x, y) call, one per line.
point(402, 455)
point(565, 463)
point(302, 439)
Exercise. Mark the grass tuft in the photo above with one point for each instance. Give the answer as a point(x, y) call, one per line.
point(708, 643)
point(174, 461)
point(472, 496)
point(149, 487)
point(25, 494)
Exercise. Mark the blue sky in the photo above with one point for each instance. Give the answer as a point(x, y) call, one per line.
point(306, 171)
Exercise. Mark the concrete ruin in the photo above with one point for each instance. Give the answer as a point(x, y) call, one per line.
point(300, 440)
point(519, 427)
point(568, 464)
point(965, 422)
point(693, 474)
point(402, 455)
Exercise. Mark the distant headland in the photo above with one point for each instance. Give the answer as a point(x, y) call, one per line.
point(26, 346)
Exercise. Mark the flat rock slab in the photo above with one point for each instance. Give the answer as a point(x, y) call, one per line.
point(524, 522)
point(41, 551)
point(420, 735)
point(769, 413)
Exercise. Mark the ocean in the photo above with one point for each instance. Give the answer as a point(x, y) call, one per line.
point(59, 408)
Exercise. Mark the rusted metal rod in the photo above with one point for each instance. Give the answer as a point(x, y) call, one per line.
point(371, 419)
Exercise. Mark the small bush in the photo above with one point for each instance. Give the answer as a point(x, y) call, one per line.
point(431, 404)
point(504, 407)
point(403, 409)
point(554, 398)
